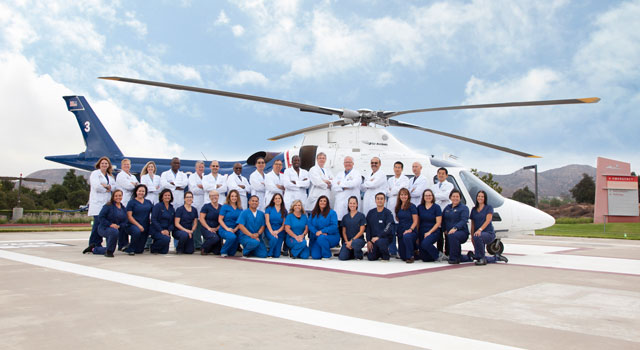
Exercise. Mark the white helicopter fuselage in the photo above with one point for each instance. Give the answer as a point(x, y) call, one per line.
point(365, 142)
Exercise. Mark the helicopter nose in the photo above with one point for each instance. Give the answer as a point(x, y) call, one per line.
point(530, 217)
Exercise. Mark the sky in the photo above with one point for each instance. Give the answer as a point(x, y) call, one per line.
point(380, 55)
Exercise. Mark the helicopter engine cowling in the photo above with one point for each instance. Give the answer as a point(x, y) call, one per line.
point(350, 114)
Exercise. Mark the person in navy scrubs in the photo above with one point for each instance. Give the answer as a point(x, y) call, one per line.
point(162, 218)
point(483, 232)
point(456, 217)
point(228, 220)
point(380, 225)
point(185, 224)
point(407, 215)
point(275, 214)
point(138, 214)
point(113, 218)
point(353, 225)
point(295, 225)
point(430, 219)
point(323, 229)
point(251, 224)
point(210, 225)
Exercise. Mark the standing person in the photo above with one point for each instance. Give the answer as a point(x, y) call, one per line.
point(214, 181)
point(113, 219)
point(380, 225)
point(152, 181)
point(353, 226)
point(295, 225)
point(455, 218)
point(228, 220)
point(430, 216)
point(346, 184)
point(418, 184)
point(126, 181)
point(101, 182)
point(323, 229)
point(184, 224)
point(197, 188)
point(320, 178)
point(441, 190)
point(274, 220)
point(239, 183)
point(251, 224)
point(273, 182)
point(395, 183)
point(162, 219)
point(210, 225)
point(296, 182)
point(407, 216)
point(483, 232)
point(257, 180)
point(138, 213)
point(175, 180)
point(373, 184)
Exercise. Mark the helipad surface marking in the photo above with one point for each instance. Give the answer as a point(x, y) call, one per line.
point(40, 244)
point(375, 329)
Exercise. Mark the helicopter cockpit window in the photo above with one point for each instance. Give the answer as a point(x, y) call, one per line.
point(455, 186)
point(474, 185)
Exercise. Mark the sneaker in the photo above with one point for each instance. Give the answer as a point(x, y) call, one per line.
point(481, 261)
point(500, 257)
point(131, 253)
point(224, 255)
point(89, 249)
point(453, 261)
point(441, 257)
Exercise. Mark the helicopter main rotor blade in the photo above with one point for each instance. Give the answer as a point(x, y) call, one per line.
point(311, 128)
point(498, 105)
point(301, 106)
point(393, 122)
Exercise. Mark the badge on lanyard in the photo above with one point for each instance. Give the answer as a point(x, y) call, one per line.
point(379, 221)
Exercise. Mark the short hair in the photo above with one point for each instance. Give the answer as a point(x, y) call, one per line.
point(162, 194)
point(145, 170)
point(113, 195)
point(135, 189)
point(316, 209)
point(399, 162)
point(125, 160)
point(109, 168)
point(443, 168)
point(199, 162)
point(277, 160)
point(423, 202)
point(455, 191)
point(253, 195)
point(321, 154)
point(186, 193)
point(380, 193)
point(228, 199)
point(294, 203)
point(399, 204)
point(257, 159)
point(212, 192)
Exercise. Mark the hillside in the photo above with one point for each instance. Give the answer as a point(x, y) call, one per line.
point(53, 176)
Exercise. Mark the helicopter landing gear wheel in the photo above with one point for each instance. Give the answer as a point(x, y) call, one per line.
point(495, 247)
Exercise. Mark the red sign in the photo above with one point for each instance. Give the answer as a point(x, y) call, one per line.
point(622, 178)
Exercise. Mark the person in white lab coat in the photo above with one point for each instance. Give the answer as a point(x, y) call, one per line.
point(102, 183)
point(175, 180)
point(345, 184)
point(273, 182)
point(320, 178)
point(239, 183)
point(149, 178)
point(215, 181)
point(395, 183)
point(196, 187)
point(126, 181)
point(257, 180)
point(373, 184)
point(295, 181)
point(417, 184)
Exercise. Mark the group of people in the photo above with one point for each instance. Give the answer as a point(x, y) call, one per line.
point(298, 213)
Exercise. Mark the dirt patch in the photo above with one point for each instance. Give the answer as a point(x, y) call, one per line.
point(572, 210)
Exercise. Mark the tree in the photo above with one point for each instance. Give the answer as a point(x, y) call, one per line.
point(74, 182)
point(488, 179)
point(524, 195)
point(6, 186)
point(585, 190)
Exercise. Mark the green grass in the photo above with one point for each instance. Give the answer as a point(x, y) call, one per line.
point(574, 220)
point(613, 230)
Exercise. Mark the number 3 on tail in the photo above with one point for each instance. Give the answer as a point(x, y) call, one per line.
point(87, 126)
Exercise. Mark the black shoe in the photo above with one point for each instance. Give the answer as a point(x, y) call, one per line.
point(202, 252)
point(502, 258)
point(454, 261)
point(131, 253)
point(471, 256)
point(125, 247)
point(89, 249)
point(481, 261)
point(108, 254)
point(284, 253)
point(410, 261)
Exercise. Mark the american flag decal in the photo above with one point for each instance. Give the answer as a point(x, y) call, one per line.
point(73, 104)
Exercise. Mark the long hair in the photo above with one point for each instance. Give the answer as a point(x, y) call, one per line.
point(485, 198)
point(109, 169)
point(294, 204)
point(433, 196)
point(406, 204)
point(316, 209)
point(113, 195)
point(145, 170)
point(135, 190)
point(283, 210)
point(162, 194)
point(348, 200)
point(228, 199)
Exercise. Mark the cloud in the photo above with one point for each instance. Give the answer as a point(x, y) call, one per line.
point(244, 77)
point(15, 30)
point(139, 27)
point(222, 18)
point(237, 30)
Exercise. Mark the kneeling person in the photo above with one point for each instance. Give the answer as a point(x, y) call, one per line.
point(353, 225)
point(380, 225)
point(251, 224)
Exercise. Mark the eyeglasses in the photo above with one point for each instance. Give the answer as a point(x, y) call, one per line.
point(215, 166)
point(374, 163)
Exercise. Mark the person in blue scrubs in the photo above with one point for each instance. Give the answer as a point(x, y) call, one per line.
point(228, 220)
point(138, 214)
point(483, 232)
point(353, 225)
point(210, 225)
point(185, 224)
point(455, 218)
point(430, 219)
point(380, 225)
point(162, 216)
point(251, 224)
point(113, 218)
point(323, 229)
point(275, 214)
point(407, 215)
point(295, 225)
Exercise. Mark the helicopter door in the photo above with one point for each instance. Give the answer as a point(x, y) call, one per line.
point(308, 156)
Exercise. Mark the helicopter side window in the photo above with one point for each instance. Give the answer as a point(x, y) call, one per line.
point(474, 184)
point(455, 186)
